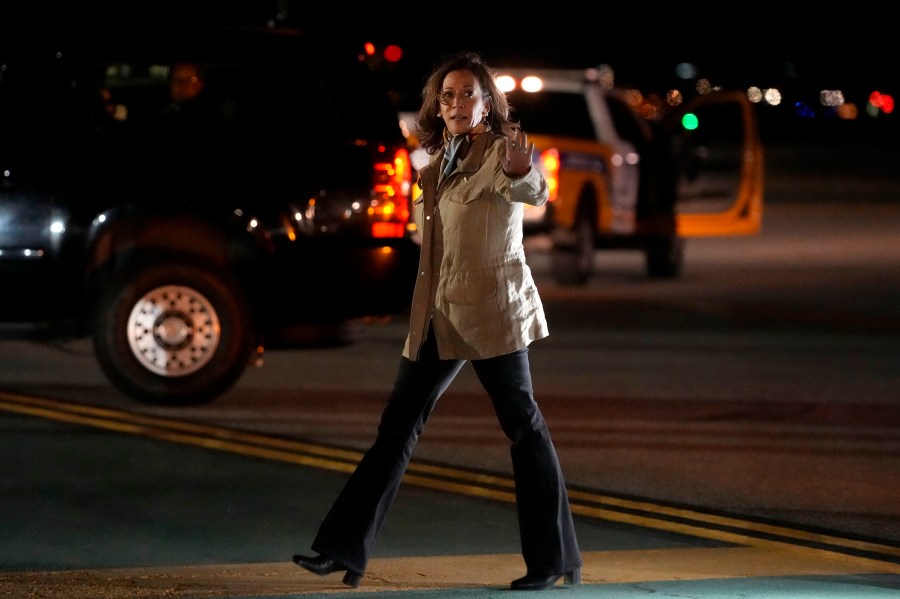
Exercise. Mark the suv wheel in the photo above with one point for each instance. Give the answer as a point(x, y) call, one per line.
point(664, 257)
point(173, 334)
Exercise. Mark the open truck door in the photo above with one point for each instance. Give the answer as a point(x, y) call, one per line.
point(719, 189)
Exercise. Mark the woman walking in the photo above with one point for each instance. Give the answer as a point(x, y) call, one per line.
point(475, 301)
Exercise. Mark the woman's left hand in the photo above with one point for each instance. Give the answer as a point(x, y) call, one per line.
point(517, 161)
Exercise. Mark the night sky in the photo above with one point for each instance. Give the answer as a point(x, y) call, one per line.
point(740, 45)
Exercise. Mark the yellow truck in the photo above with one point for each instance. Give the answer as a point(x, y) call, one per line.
point(633, 172)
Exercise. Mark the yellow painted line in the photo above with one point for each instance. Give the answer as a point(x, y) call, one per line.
point(454, 480)
point(574, 496)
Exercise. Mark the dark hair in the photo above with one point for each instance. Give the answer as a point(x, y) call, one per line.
point(430, 124)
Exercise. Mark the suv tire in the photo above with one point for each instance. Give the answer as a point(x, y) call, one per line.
point(174, 334)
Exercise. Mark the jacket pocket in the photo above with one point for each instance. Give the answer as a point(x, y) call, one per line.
point(460, 197)
point(470, 288)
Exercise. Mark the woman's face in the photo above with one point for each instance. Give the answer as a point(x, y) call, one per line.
point(462, 101)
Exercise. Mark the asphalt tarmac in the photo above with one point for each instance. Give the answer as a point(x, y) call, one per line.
point(154, 504)
point(156, 507)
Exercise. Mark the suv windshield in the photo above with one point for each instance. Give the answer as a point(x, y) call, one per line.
point(321, 99)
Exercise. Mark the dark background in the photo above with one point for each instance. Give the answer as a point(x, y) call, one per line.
point(829, 47)
point(799, 51)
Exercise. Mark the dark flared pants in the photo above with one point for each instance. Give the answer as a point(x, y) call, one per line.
point(547, 533)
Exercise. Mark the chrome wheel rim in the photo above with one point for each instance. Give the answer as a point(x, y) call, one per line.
point(173, 330)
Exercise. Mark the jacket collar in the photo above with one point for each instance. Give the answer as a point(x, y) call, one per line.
point(475, 157)
point(469, 164)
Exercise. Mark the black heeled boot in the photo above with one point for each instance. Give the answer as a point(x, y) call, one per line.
point(324, 564)
point(535, 582)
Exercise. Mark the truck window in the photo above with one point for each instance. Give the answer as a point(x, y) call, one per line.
point(625, 120)
point(553, 113)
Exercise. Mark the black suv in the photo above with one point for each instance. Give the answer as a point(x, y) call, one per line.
point(185, 236)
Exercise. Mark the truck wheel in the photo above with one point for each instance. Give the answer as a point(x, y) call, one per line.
point(664, 257)
point(573, 261)
point(173, 334)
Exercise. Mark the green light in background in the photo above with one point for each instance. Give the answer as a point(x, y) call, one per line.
point(689, 121)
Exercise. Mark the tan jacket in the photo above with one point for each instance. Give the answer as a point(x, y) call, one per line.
point(473, 283)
